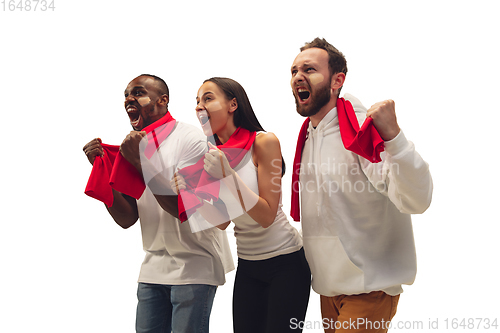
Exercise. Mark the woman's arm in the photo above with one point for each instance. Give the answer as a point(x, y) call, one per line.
point(215, 214)
point(267, 156)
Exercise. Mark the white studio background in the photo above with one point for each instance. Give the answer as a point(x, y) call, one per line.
point(66, 267)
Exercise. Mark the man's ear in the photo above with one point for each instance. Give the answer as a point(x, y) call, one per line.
point(233, 105)
point(337, 81)
point(163, 100)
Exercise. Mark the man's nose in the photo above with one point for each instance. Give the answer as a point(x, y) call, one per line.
point(128, 99)
point(297, 78)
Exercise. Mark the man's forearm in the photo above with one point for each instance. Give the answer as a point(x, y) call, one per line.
point(124, 210)
point(169, 203)
point(166, 198)
point(159, 185)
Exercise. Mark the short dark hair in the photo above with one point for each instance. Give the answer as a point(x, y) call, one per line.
point(336, 60)
point(162, 85)
point(244, 116)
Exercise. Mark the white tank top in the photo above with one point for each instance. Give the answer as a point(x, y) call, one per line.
point(253, 241)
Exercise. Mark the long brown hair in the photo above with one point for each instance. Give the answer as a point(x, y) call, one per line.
point(244, 116)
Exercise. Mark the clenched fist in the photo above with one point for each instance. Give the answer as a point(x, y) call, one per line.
point(93, 149)
point(130, 148)
point(384, 119)
point(216, 163)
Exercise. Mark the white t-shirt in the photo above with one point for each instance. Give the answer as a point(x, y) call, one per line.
point(174, 254)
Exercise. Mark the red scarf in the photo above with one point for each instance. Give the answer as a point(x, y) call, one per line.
point(113, 171)
point(364, 141)
point(201, 184)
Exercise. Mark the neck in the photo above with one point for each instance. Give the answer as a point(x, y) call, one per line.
point(156, 117)
point(226, 133)
point(316, 119)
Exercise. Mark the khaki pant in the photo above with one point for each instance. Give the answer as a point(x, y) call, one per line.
point(367, 313)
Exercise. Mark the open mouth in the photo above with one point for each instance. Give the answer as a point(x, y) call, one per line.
point(134, 115)
point(203, 117)
point(303, 94)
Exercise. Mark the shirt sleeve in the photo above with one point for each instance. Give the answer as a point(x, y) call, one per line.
point(194, 147)
point(402, 175)
point(183, 147)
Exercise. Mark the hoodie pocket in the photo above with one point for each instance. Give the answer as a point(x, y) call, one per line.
point(333, 273)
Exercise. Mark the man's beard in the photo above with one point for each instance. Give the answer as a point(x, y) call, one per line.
point(318, 99)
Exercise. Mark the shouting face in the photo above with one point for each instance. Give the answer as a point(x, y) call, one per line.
point(141, 97)
point(214, 110)
point(311, 81)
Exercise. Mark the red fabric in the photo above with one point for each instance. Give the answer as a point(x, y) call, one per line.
point(295, 210)
point(96, 188)
point(364, 141)
point(201, 184)
point(113, 171)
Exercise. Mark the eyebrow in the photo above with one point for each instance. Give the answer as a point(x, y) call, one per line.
point(306, 63)
point(206, 93)
point(135, 88)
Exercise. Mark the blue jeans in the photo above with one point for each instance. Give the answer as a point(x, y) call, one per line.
point(174, 308)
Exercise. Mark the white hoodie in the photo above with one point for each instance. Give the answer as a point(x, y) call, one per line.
point(356, 225)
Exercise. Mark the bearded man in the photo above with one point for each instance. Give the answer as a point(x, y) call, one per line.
point(356, 199)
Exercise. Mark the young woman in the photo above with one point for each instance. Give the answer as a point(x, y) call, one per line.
point(272, 282)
